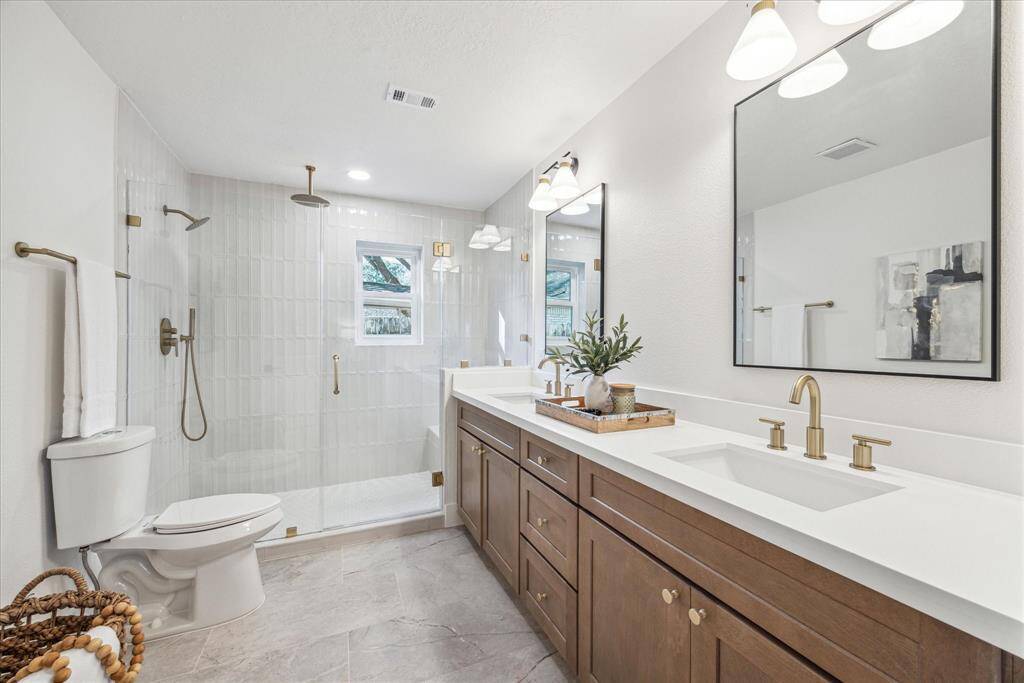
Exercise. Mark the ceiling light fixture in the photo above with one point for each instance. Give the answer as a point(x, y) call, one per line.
point(356, 174)
point(576, 208)
point(821, 74)
point(476, 243)
point(542, 199)
point(913, 22)
point(564, 185)
point(842, 12)
point(490, 235)
point(764, 47)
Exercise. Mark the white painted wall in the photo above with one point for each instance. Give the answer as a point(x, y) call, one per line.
point(665, 149)
point(824, 245)
point(57, 122)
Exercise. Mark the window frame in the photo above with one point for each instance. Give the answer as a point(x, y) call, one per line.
point(575, 270)
point(414, 254)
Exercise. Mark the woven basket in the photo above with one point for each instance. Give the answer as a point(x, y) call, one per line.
point(70, 613)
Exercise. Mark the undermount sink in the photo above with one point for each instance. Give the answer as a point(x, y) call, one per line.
point(801, 483)
point(517, 399)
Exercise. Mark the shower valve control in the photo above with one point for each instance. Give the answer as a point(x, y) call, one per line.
point(168, 337)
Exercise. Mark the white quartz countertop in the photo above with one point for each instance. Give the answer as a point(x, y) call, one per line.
point(951, 550)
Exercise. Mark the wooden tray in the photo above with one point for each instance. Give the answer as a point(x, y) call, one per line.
point(566, 410)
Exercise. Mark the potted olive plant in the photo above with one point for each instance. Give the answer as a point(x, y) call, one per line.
point(590, 353)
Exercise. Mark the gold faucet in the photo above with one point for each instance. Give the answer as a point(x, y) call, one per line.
point(815, 434)
point(558, 372)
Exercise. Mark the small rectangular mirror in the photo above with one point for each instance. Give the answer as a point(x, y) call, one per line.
point(866, 205)
point(573, 266)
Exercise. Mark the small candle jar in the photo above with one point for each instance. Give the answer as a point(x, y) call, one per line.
point(623, 398)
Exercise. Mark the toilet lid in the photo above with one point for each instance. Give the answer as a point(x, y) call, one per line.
point(211, 512)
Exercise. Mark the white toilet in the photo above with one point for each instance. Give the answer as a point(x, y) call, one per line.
point(192, 566)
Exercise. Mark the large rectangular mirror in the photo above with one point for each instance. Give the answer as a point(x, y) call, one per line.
point(865, 204)
point(573, 266)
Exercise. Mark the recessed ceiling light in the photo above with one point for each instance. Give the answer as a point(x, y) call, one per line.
point(356, 174)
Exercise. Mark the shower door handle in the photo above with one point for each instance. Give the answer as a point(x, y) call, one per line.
point(337, 388)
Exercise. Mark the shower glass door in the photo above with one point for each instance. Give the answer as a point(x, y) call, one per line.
point(383, 296)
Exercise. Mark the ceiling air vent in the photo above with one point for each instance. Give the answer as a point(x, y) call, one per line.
point(410, 98)
point(846, 149)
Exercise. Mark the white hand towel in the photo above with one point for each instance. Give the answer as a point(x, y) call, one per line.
point(789, 335)
point(97, 351)
point(72, 365)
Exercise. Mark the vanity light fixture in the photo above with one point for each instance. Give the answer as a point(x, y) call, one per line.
point(576, 208)
point(357, 174)
point(564, 185)
point(841, 12)
point(542, 199)
point(916, 21)
point(490, 235)
point(504, 245)
point(821, 74)
point(764, 47)
point(595, 197)
point(476, 243)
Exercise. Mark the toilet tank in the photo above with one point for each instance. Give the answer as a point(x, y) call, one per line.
point(99, 484)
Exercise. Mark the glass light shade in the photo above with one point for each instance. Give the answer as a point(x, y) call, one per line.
point(442, 264)
point(841, 12)
point(576, 208)
point(564, 185)
point(504, 245)
point(764, 47)
point(915, 22)
point(542, 199)
point(821, 74)
point(490, 235)
point(476, 243)
point(595, 196)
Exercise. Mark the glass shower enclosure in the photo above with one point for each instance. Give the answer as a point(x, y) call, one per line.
point(321, 334)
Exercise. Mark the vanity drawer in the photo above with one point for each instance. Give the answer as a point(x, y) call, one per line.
point(549, 522)
point(846, 629)
point(550, 600)
point(498, 434)
point(553, 465)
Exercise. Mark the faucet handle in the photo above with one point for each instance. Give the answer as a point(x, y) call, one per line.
point(862, 451)
point(567, 393)
point(777, 435)
point(548, 389)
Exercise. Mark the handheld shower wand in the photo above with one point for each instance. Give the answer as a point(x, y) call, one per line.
point(188, 340)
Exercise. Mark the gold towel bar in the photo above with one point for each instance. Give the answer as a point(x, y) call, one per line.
point(817, 304)
point(23, 250)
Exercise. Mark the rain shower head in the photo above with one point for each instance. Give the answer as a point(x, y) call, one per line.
point(193, 221)
point(309, 199)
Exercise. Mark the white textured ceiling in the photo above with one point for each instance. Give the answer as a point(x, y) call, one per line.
point(255, 90)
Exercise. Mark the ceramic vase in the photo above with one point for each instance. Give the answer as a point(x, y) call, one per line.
point(598, 394)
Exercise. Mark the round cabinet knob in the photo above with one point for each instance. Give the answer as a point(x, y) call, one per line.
point(541, 460)
point(669, 595)
point(541, 597)
point(696, 616)
point(541, 521)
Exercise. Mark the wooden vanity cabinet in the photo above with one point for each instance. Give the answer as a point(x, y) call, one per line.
point(633, 622)
point(470, 484)
point(500, 528)
point(728, 649)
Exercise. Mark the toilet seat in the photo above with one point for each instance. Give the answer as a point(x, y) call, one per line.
point(213, 512)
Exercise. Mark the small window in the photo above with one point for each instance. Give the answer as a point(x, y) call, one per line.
point(562, 295)
point(389, 297)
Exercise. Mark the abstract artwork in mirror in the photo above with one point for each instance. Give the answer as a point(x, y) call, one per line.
point(866, 233)
point(573, 277)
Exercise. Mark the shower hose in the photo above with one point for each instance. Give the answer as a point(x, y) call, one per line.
point(184, 392)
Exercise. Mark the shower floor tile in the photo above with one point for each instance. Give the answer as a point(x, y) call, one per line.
point(425, 607)
point(357, 502)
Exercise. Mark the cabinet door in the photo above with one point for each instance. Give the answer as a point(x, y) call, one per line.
point(501, 514)
point(633, 623)
point(470, 483)
point(726, 648)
